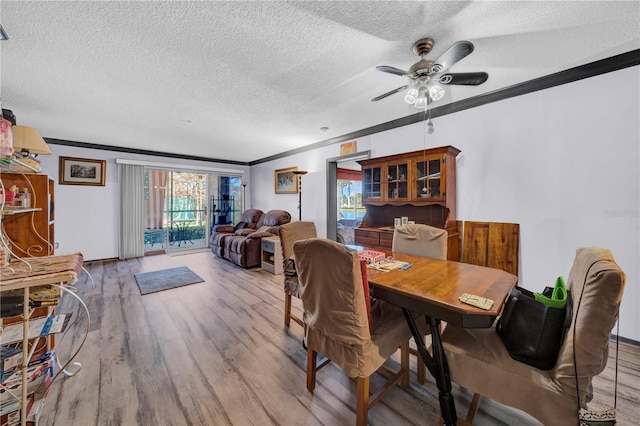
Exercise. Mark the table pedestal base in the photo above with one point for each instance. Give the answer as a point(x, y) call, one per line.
point(436, 364)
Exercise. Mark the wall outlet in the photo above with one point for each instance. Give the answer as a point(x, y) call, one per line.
point(56, 245)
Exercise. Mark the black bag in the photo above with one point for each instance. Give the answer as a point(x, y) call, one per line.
point(531, 330)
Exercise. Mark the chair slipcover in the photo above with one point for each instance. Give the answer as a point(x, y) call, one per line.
point(335, 312)
point(420, 240)
point(289, 234)
point(479, 361)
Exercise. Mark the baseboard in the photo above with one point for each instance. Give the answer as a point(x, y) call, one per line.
point(626, 340)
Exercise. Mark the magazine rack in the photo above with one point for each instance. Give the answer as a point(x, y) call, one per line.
point(58, 272)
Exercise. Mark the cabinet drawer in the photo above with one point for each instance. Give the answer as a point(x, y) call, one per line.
point(367, 238)
point(268, 245)
point(386, 239)
point(367, 234)
point(365, 241)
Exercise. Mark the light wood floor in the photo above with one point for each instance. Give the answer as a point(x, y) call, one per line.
point(217, 353)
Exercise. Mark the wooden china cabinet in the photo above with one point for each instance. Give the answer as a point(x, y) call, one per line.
point(420, 185)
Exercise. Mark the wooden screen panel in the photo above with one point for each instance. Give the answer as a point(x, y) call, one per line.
point(492, 244)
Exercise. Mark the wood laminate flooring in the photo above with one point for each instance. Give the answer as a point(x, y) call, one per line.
point(217, 353)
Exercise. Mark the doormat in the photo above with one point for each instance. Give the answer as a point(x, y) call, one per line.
point(165, 279)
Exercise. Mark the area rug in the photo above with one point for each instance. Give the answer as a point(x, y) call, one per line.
point(150, 282)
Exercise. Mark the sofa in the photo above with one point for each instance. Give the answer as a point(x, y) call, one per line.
point(241, 243)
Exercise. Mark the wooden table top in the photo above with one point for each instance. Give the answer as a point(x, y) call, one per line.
point(432, 286)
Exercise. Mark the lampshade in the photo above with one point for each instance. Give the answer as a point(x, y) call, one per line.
point(411, 95)
point(436, 92)
point(27, 139)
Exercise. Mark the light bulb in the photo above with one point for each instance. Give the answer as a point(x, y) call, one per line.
point(430, 127)
point(436, 92)
point(421, 102)
point(410, 96)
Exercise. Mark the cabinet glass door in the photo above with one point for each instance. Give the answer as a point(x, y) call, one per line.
point(397, 184)
point(429, 178)
point(372, 183)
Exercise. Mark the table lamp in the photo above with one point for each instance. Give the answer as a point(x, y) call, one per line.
point(28, 142)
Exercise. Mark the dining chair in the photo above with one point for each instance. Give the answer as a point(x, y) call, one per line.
point(479, 361)
point(344, 325)
point(289, 234)
point(420, 240)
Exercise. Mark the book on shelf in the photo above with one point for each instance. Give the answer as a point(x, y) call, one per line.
point(9, 406)
point(10, 358)
point(39, 375)
point(38, 327)
point(39, 378)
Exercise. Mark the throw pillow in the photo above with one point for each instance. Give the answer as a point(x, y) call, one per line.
point(240, 225)
point(367, 297)
point(264, 231)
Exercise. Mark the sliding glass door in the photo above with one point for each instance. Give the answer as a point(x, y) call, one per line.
point(181, 208)
point(176, 210)
point(187, 218)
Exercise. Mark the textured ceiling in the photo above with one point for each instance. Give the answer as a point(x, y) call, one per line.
point(241, 81)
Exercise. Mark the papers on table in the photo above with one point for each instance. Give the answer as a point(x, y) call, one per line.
point(388, 265)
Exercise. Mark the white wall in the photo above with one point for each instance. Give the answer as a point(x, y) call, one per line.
point(564, 163)
point(87, 217)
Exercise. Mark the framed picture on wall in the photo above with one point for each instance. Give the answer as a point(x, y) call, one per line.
point(82, 171)
point(285, 181)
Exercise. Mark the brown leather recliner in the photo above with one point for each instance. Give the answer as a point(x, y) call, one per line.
point(248, 221)
point(244, 246)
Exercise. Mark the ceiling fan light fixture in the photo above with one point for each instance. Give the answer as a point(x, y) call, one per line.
point(411, 95)
point(425, 72)
point(436, 92)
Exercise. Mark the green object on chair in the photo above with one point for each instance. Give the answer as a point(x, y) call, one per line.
point(558, 298)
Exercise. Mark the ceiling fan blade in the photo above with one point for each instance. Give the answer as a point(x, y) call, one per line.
point(399, 89)
point(464, 78)
point(392, 70)
point(457, 51)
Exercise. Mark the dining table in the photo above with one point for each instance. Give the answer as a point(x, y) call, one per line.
point(182, 231)
point(433, 287)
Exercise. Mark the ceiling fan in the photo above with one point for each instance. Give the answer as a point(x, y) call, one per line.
point(426, 77)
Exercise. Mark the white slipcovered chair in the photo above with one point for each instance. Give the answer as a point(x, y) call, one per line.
point(420, 240)
point(479, 361)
